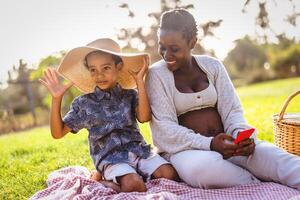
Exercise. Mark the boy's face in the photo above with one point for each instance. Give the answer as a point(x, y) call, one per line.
point(103, 70)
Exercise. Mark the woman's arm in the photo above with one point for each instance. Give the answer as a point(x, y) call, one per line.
point(167, 134)
point(231, 111)
point(229, 105)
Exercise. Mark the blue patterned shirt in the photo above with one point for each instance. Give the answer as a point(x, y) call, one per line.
point(110, 118)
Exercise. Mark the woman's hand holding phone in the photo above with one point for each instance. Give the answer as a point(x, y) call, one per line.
point(245, 144)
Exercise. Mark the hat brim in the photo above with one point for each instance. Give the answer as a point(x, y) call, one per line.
point(73, 69)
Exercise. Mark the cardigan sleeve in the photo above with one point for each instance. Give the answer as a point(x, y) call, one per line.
point(229, 105)
point(168, 136)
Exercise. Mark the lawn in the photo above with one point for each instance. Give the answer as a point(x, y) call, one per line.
point(26, 158)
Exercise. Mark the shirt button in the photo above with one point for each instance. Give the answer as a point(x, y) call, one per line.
point(198, 96)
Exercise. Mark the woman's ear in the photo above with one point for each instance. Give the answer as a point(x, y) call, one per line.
point(193, 42)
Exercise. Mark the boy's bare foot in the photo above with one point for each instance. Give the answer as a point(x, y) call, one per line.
point(111, 185)
point(96, 176)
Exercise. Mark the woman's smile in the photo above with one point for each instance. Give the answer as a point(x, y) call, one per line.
point(170, 64)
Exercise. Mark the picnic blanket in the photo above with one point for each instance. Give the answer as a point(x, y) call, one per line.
point(74, 183)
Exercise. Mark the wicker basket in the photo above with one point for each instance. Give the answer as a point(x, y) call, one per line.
point(287, 128)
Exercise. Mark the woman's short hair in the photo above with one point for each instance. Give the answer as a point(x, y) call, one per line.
point(179, 20)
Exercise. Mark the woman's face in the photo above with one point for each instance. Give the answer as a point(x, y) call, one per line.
point(174, 49)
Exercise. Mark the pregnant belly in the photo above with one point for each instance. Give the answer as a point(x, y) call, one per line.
point(206, 121)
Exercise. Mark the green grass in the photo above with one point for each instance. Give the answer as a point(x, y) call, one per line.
point(261, 101)
point(26, 158)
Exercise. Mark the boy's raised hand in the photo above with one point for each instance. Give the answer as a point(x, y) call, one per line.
point(141, 73)
point(51, 82)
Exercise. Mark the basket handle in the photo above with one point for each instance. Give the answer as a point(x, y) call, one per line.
point(286, 103)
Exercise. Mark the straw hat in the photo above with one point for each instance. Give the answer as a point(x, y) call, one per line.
point(72, 65)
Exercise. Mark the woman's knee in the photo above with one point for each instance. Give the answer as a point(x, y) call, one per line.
point(166, 171)
point(266, 153)
point(132, 183)
point(196, 160)
point(198, 168)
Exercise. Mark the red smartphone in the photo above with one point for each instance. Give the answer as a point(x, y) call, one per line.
point(244, 135)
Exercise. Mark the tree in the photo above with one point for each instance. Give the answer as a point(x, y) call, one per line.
point(245, 58)
point(52, 61)
point(262, 20)
point(147, 40)
point(287, 63)
point(22, 79)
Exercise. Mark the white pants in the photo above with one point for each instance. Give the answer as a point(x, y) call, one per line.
point(143, 167)
point(208, 169)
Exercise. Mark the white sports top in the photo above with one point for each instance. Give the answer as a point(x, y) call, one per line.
point(185, 102)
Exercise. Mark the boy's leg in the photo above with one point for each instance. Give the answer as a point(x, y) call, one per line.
point(131, 183)
point(97, 176)
point(112, 185)
point(157, 167)
point(126, 176)
point(271, 163)
point(166, 171)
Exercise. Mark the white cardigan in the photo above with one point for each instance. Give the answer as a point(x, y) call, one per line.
point(170, 137)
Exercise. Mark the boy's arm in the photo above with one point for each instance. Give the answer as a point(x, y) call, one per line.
point(57, 126)
point(57, 90)
point(143, 110)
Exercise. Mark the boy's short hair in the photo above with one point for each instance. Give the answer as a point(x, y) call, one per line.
point(117, 59)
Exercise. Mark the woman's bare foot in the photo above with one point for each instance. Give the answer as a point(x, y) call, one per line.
point(96, 176)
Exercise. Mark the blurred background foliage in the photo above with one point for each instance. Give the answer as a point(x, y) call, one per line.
point(25, 103)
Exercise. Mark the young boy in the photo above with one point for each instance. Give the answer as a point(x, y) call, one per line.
point(109, 112)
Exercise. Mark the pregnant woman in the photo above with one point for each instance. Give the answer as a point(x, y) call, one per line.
point(197, 115)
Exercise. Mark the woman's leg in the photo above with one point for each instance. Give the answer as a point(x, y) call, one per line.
point(271, 163)
point(208, 169)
